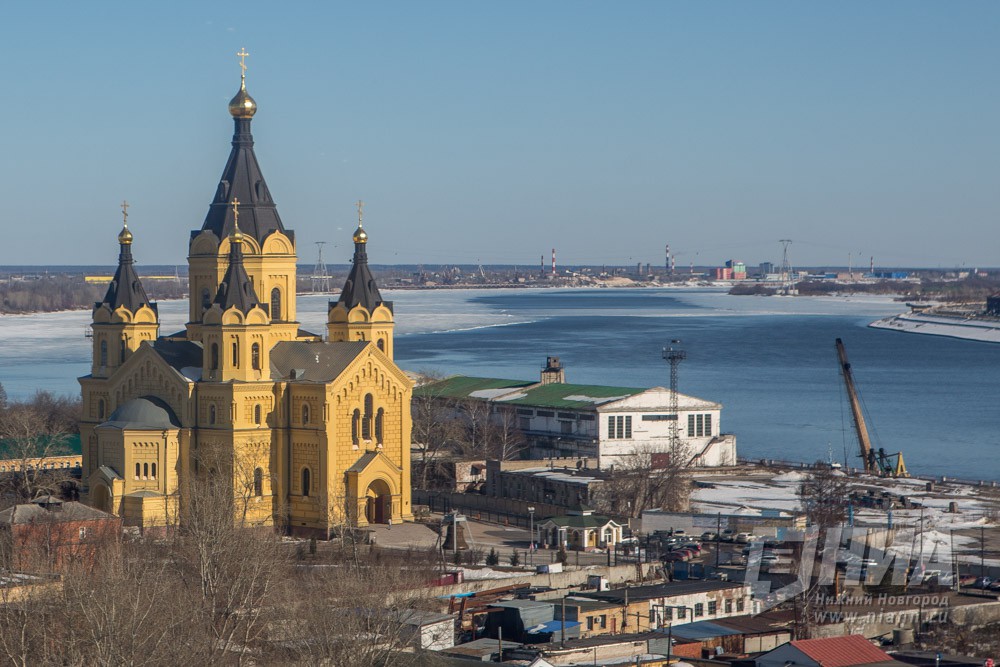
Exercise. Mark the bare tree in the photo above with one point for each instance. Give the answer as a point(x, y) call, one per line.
point(647, 479)
point(436, 429)
point(32, 435)
point(233, 563)
point(824, 495)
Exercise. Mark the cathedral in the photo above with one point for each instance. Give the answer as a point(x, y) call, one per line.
point(312, 433)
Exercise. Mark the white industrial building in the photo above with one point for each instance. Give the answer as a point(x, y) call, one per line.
point(614, 425)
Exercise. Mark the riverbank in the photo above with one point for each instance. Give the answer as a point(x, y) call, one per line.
point(985, 331)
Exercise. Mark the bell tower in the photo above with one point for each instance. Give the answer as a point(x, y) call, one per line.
point(125, 317)
point(360, 314)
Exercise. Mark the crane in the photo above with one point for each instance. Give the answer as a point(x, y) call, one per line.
point(876, 462)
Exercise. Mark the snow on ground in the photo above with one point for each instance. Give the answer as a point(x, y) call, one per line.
point(930, 533)
point(480, 573)
point(731, 495)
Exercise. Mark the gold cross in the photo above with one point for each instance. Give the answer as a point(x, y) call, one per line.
point(361, 206)
point(236, 212)
point(125, 212)
point(242, 53)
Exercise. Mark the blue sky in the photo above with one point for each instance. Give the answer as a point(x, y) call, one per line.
point(495, 131)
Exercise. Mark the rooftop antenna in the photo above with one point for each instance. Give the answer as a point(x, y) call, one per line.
point(320, 277)
point(674, 357)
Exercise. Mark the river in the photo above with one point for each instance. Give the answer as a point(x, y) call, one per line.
point(769, 360)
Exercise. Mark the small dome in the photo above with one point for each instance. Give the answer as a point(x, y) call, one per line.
point(125, 236)
point(147, 412)
point(242, 105)
point(360, 235)
point(236, 236)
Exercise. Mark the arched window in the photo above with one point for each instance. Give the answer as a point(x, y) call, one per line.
point(255, 356)
point(211, 413)
point(366, 421)
point(379, 425)
point(206, 299)
point(305, 481)
point(381, 344)
point(258, 482)
point(355, 425)
point(256, 414)
point(121, 351)
point(305, 414)
point(236, 355)
point(104, 353)
point(100, 409)
point(152, 470)
point(215, 356)
point(137, 470)
point(145, 470)
point(276, 304)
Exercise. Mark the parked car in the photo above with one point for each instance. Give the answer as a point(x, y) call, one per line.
point(743, 538)
point(966, 580)
point(674, 557)
point(981, 583)
point(693, 545)
point(709, 536)
point(727, 535)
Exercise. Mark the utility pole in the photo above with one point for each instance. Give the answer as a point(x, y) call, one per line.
point(531, 536)
point(674, 357)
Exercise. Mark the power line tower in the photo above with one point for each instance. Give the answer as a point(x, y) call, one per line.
point(674, 357)
point(320, 276)
point(786, 268)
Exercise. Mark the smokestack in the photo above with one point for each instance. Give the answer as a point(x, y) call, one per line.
point(553, 261)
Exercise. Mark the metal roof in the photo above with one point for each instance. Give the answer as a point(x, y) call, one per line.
point(242, 179)
point(313, 361)
point(569, 396)
point(148, 412)
point(664, 590)
point(461, 386)
point(848, 651)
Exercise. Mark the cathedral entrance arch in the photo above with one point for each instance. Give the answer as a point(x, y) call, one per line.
point(102, 498)
point(378, 502)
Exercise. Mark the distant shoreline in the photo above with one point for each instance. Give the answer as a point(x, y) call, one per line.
point(941, 325)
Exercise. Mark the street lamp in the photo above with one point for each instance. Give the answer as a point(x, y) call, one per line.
point(531, 536)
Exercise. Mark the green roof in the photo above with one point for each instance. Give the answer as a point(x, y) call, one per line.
point(571, 396)
point(519, 392)
point(461, 386)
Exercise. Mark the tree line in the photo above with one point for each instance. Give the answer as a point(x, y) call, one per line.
point(52, 293)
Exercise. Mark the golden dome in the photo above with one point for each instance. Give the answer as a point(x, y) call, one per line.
point(242, 105)
point(125, 236)
point(360, 235)
point(236, 236)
